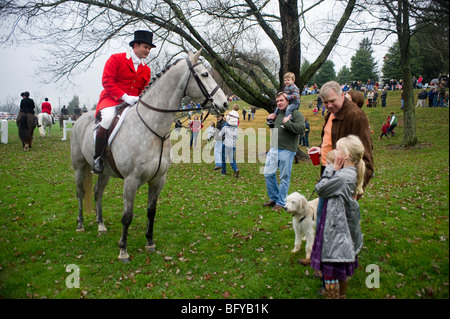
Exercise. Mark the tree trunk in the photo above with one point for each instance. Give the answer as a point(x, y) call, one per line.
point(291, 51)
point(404, 35)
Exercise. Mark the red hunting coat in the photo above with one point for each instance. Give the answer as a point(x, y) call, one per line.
point(46, 108)
point(120, 77)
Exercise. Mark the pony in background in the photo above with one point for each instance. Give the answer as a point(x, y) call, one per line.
point(44, 123)
point(26, 122)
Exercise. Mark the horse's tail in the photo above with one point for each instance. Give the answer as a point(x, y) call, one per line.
point(87, 201)
point(24, 132)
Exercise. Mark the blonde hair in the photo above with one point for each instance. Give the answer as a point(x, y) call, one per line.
point(331, 156)
point(352, 146)
point(236, 107)
point(290, 76)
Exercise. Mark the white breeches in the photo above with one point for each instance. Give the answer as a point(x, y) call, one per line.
point(108, 114)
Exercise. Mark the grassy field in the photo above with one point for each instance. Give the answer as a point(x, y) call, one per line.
point(214, 240)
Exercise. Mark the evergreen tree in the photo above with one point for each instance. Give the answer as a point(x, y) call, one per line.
point(326, 73)
point(72, 104)
point(345, 75)
point(305, 65)
point(363, 65)
point(392, 66)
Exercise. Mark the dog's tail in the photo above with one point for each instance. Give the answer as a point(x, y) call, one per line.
point(313, 206)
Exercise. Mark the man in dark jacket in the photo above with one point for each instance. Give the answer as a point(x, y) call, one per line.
point(26, 106)
point(344, 118)
point(284, 145)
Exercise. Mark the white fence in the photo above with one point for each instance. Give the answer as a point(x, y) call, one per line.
point(4, 131)
point(66, 129)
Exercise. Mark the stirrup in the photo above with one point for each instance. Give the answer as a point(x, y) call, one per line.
point(97, 166)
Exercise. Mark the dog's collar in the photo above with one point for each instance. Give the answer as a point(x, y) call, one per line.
point(302, 219)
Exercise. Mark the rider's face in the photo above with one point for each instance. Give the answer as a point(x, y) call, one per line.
point(142, 50)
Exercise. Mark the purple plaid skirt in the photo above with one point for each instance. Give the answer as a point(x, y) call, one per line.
point(330, 269)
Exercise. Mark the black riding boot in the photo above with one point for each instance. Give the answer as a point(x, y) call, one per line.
point(100, 144)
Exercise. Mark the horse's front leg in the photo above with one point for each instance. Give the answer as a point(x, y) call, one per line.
point(102, 181)
point(153, 193)
point(80, 177)
point(130, 187)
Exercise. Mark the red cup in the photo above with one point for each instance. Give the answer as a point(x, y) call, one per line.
point(314, 156)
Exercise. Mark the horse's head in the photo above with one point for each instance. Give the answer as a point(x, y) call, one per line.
point(202, 86)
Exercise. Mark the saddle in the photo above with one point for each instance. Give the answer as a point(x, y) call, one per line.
point(121, 111)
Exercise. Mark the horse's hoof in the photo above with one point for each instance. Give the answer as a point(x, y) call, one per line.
point(26, 147)
point(79, 230)
point(102, 228)
point(150, 249)
point(123, 256)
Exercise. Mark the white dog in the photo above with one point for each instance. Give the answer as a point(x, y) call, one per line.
point(304, 217)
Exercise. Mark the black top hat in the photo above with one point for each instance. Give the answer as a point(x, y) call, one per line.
point(142, 36)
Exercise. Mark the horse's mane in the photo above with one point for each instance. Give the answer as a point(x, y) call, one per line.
point(161, 73)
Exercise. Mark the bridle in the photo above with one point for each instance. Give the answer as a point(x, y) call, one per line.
point(208, 98)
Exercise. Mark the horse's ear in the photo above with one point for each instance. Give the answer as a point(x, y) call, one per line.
point(194, 57)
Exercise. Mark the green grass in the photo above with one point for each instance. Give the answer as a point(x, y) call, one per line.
point(214, 240)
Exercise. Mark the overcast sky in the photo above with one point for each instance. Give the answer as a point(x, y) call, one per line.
point(19, 73)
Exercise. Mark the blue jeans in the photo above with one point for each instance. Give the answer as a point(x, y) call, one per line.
point(304, 139)
point(282, 160)
point(230, 154)
point(194, 138)
point(218, 153)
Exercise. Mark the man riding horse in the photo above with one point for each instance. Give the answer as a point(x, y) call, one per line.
point(26, 120)
point(26, 105)
point(125, 76)
point(47, 108)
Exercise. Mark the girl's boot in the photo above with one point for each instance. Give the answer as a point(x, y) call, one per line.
point(342, 289)
point(332, 288)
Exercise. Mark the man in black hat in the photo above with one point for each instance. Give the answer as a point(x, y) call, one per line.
point(124, 78)
point(26, 106)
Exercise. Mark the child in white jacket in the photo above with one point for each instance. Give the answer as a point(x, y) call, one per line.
point(230, 131)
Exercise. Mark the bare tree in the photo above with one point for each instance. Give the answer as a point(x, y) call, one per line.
point(230, 32)
point(403, 18)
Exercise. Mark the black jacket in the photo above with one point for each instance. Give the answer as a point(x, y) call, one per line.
point(27, 105)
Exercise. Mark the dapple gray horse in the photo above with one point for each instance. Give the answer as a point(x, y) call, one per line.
point(45, 122)
point(141, 148)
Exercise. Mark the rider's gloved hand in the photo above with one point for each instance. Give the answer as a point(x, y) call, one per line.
point(130, 99)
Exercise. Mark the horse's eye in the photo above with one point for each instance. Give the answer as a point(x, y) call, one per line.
point(205, 75)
